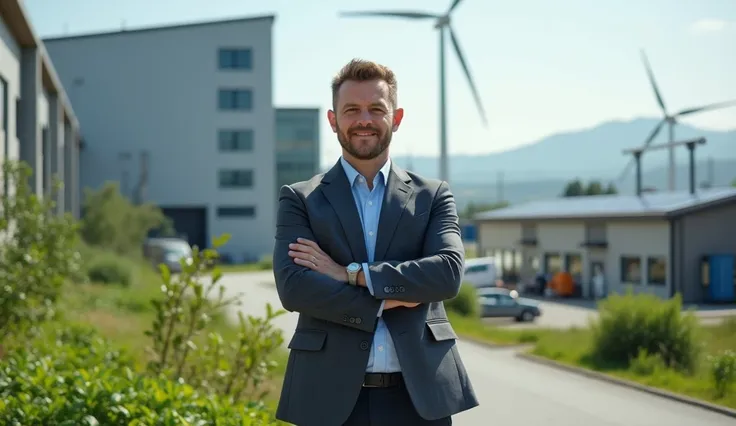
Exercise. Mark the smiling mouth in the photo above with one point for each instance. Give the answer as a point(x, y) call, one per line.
point(364, 134)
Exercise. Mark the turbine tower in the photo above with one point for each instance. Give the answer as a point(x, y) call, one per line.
point(442, 24)
point(671, 120)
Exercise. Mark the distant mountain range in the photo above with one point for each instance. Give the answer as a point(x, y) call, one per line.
point(541, 169)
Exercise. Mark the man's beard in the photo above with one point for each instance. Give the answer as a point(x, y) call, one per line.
point(362, 152)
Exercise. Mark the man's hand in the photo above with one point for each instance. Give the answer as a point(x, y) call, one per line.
point(307, 253)
point(390, 304)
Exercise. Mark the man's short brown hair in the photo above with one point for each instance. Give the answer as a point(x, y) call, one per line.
point(362, 70)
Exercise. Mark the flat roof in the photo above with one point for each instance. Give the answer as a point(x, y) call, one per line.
point(653, 205)
point(16, 19)
point(163, 27)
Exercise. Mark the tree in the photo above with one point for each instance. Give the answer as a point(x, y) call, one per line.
point(574, 189)
point(611, 189)
point(111, 221)
point(594, 188)
point(733, 182)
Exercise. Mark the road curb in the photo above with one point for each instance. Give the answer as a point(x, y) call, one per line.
point(629, 384)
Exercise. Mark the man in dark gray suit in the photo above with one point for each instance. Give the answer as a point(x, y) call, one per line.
point(367, 253)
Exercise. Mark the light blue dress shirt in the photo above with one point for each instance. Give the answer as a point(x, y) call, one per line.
point(383, 357)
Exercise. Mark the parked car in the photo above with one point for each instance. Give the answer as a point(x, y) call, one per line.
point(504, 303)
point(481, 272)
point(169, 251)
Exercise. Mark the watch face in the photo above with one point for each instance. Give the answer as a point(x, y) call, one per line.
point(353, 267)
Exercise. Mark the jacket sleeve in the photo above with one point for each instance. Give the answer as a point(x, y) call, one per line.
point(312, 293)
point(436, 276)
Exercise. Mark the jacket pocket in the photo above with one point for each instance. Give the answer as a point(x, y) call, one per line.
point(441, 331)
point(308, 340)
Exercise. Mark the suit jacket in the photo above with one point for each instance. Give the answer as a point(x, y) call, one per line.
point(419, 258)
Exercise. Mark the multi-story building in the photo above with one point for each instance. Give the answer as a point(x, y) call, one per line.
point(37, 123)
point(297, 144)
point(182, 116)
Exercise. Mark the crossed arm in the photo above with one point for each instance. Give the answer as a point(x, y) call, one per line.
point(320, 289)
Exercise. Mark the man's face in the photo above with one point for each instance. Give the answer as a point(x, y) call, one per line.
point(364, 119)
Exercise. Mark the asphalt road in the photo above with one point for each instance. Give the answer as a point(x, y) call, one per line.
point(513, 391)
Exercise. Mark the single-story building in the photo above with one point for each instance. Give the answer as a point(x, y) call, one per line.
point(654, 243)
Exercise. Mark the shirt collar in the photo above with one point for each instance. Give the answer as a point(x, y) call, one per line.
point(353, 174)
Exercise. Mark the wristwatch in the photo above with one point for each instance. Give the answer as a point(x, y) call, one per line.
point(353, 270)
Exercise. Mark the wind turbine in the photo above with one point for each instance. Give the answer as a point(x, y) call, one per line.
point(442, 23)
point(671, 120)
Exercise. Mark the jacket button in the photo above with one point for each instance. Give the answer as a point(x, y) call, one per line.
point(364, 345)
point(352, 320)
point(387, 289)
point(358, 320)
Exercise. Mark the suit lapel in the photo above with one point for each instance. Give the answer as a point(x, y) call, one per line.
point(339, 194)
point(398, 193)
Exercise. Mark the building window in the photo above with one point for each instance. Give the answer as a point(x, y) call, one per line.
point(552, 263)
point(656, 271)
point(235, 140)
point(235, 99)
point(575, 267)
point(236, 178)
point(631, 270)
point(236, 211)
point(235, 59)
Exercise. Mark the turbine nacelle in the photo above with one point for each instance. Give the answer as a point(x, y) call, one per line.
point(442, 21)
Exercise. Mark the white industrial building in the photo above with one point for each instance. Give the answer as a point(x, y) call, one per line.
point(182, 116)
point(37, 123)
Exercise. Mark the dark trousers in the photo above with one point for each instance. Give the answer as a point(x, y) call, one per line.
point(390, 406)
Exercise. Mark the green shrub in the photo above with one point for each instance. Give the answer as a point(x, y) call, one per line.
point(629, 324)
point(723, 372)
point(182, 314)
point(465, 303)
point(266, 263)
point(37, 253)
point(113, 222)
point(109, 268)
point(80, 380)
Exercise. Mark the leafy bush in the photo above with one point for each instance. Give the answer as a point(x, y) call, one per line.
point(37, 252)
point(465, 303)
point(266, 263)
point(108, 268)
point(112, 222)
point(629, 324)
point(723, 372)
point(187, 306)
point(80, 380)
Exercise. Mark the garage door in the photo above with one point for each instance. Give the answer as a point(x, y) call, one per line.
point(190, 224)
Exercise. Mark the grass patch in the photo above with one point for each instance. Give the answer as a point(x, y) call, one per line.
point(122, 314)
point(632, 320)
point(573, 348)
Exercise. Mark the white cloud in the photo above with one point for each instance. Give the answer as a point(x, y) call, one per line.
point(708, 25)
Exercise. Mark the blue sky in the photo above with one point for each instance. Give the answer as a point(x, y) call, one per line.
point(541, 67)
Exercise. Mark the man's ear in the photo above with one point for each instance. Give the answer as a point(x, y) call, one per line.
point(398, 116)
point(332, 118)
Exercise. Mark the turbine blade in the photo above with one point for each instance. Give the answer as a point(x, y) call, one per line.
point(650, 74)
point(709, 107)
point(393, 14)
point(653, 134)
point(464, 64)
point(453, 6)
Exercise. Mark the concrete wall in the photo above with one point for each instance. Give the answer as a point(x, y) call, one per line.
point(711, 231)
point(156, 92)
point(643, 239)
point(10, 53)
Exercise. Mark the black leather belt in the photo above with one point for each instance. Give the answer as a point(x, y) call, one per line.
point(382, 380)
